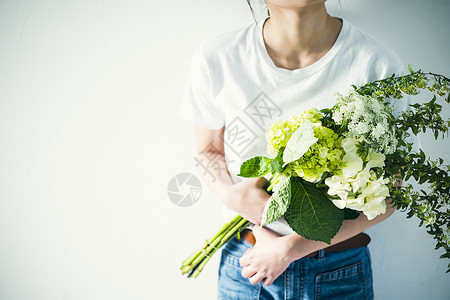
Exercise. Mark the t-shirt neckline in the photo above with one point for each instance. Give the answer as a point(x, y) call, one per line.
point(322, 62)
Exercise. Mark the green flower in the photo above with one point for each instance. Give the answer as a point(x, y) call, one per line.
point(324, 156)
point(279, 133)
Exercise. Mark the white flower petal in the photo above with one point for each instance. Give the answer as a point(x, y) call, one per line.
point(339, 203)
point(377, 207)
point(376, 160)
point(349, 145)
point(353, 164)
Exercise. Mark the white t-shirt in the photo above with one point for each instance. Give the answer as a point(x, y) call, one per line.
point(234, 83)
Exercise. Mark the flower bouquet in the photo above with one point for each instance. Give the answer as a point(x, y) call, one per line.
point(334, 164)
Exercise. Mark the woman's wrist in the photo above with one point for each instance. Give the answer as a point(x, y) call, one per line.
point(294, 246)
point(228, 194)
point(247, 198)
point(298, 247)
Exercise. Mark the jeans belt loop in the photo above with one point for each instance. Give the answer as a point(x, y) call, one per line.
point(321, 254)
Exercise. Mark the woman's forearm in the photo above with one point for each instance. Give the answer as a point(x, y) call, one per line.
point(247, 197)
point(212, 169)
point(210, 161)
point(299, 247)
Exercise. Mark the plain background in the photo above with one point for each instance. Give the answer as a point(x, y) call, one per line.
point(90, 138)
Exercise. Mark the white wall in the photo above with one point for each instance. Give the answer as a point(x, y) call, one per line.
point(89, 139)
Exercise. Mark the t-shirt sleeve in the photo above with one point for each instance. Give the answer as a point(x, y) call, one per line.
point(197, 104)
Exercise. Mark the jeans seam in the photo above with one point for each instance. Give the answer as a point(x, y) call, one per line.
point(359, 272)
point(301, 281)
point(317, 289)
point(369, 267)
point(227, 257)
point(257, 291)
point(346, 267)
point(364, 280)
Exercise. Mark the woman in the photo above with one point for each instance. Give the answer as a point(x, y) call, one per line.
point(239, 84)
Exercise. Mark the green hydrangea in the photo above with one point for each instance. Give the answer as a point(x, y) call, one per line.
point(279, 133)
point(324, 156)
point(312, 115)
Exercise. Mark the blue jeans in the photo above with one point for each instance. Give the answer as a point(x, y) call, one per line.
point(339, 275)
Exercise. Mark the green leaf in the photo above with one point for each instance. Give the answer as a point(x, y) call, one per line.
point(299, 142)
point(278, 203)
point(255, 167)
point(350, 214)
point(277, 162)
point(311, 214)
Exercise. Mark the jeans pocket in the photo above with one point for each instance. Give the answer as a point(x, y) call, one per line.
point(231, 283)
point(348, 282)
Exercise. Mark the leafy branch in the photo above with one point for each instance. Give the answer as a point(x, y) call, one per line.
point(431, 205)
point(411, 84)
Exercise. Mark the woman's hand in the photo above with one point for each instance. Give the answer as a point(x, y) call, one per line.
point(268, 259)
point(248, 198)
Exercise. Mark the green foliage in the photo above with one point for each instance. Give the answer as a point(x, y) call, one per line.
point(277, 163)
point(311, 214)
point(327, 120)
point(278, 203)
point(350, 214)
point(411, 84)
point(255, 167)
point(431, 203)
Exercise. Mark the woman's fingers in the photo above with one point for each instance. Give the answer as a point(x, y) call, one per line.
point(265, 261)
point(248, 272)
point(268, 281)
point(244, 260)
point(257, 277)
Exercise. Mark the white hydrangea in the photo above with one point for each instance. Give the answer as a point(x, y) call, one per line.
point(366, 117)
point(356, 185)
point(378, 131)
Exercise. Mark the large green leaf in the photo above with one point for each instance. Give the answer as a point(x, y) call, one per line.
point(350, 214)
point(255, 167)
point(278, 203)
point(311, 214)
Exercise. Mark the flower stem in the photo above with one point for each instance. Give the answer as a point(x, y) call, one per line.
point(274, 181)
point(196, 261)
point(243, 223)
